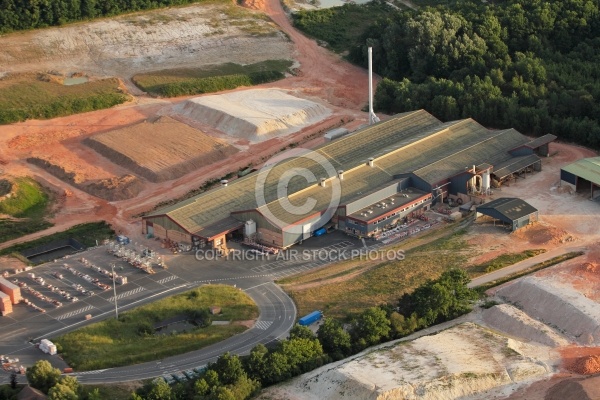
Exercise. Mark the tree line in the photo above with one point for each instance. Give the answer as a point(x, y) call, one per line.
point(527, 64)
point(531, 65)
point(31, 14)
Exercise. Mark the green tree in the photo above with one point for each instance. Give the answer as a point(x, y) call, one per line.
point(160, 390)
point(244, 387)
point(94, 395)
point(301, 332)
point(372, 325)
point(302, 354)
point(255, 363)
point(335, 340)
point(42, 375)
point(62, 391)
point(229, 368)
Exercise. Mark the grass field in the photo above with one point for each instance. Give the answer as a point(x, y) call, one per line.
point(86, 234)
point(33, 96)
point(129, 340)
point(28, 207)
point(384, 282)
point(188, 81)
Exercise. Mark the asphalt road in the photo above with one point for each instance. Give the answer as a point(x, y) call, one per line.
point(255, 276)
point(277, 311)
point(277, 316)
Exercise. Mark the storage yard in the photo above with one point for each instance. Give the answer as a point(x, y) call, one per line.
point(161, 150)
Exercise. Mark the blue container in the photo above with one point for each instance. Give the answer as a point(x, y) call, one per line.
point(310, 318)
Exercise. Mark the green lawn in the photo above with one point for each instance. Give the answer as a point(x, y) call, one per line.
point(188, 81)
point(132, 338)
point(28, 206)
point(29, 96)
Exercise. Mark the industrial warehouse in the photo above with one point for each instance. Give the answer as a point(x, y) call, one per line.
point(365, 183)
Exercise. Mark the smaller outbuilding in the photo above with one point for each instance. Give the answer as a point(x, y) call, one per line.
point(584, 175)
point(516, 213)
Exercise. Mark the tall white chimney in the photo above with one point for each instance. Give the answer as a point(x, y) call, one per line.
point(372, 117)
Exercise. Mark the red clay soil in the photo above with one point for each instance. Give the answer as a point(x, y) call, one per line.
point(580, 360)
point(321, 75)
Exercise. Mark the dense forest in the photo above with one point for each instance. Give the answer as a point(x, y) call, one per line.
point(531, 65)
point(30, 14)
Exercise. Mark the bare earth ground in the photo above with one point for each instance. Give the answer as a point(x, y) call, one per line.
point(322, 77)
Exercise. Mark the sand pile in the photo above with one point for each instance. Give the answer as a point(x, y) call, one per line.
point(515, 322)
point(557, 305)
point(161, 150)
point(255, 114)
point(586, 365)
point(461, 361)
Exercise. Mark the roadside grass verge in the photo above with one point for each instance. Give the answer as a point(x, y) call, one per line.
point(86, 234)
point(40, 96)
point(503, 260)
point(385, 282)
point(189, 81)
point(28, 206)
point(133, 338)
point(539, 266)
point(340, 27)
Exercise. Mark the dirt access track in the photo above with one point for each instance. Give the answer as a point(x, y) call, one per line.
point(130, 44)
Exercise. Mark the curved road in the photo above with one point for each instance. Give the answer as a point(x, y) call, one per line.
point(277, 316)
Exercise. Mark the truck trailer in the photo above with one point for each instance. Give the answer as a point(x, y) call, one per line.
point(310, 318)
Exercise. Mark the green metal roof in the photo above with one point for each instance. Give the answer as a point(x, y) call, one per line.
point(345, 153)
point(410, 142)
point(586, 168)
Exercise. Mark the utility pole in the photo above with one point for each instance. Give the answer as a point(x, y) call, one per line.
point(112, 267)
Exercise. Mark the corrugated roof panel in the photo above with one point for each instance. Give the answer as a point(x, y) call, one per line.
point(508, 207)
point(513, 165)
point(586, 168)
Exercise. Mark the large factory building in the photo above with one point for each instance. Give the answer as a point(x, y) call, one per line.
point(361, 183)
